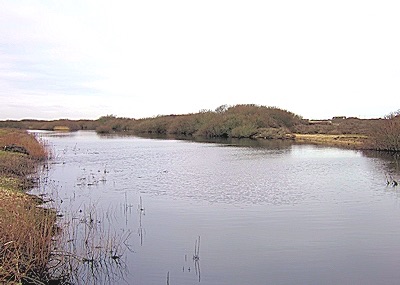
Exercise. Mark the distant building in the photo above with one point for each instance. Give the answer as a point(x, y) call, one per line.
point(339, 118)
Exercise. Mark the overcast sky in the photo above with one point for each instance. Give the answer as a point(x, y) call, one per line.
point(84, 59)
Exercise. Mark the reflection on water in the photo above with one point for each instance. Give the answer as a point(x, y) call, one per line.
point(392, 160)
point(141, 230)
point(266, 212)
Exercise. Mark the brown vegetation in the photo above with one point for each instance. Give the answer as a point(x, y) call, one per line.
point(342, 126)
point(25, 240)
point(26, 229)
point(241, 121)
point(234, 121)
point(71, 125)
point(386, 134)
point(347, 140)
point(27, 141)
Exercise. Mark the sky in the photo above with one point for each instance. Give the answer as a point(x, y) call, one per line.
point(82, 59)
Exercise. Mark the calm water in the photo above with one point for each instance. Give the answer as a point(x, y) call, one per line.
point(265, 213)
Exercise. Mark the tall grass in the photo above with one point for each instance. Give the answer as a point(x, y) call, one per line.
point(28, 141)
point(16, 165)
point(26, 230)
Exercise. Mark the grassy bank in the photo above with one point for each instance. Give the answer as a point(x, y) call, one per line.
point(26, 230)
point(347, 141)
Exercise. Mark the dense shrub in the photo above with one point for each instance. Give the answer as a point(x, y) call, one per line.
point(386, 134)
point(274, 133)
point(157, 125)
point(184, 125)
point(244, 131)
point(239, 121)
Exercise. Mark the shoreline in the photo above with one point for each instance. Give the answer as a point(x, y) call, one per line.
point(349, 141)
point(26, 229)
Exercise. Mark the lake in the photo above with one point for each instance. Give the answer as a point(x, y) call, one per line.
point(156, 211)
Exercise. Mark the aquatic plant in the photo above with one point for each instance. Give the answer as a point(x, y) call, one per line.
point(196, 255)
point(88, 251)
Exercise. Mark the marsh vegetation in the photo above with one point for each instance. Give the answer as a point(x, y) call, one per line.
point(38, 243)
point(26, 229)
point(242, 121)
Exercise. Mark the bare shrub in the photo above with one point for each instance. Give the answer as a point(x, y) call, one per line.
point(386, 135)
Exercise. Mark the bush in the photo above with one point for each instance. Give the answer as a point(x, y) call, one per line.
point(386, 135)
point(184, 125)
point(274, 133)
point(246, 131)
point(103, 129)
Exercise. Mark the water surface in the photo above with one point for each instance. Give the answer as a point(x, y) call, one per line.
point(266, 213)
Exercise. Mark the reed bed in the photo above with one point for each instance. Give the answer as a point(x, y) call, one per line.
point(26, 229)
point(26, 238)
point(32, 144)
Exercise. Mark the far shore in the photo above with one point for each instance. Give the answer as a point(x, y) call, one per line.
point(352, 141)
point(242, 121)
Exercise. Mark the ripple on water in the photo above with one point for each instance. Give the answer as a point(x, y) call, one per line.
point(281, 213)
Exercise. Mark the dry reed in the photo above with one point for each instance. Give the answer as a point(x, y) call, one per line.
point(28, 141)
point(26, 230)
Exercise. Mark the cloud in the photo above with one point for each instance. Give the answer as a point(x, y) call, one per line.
point(54, 106)
point(143, 58)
